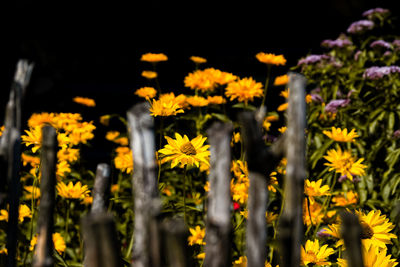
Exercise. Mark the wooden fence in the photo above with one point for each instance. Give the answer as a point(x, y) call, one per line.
point(164, 243)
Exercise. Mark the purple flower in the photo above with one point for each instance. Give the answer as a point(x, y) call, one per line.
point(360, 26)
point(333, 105)
point(372, 12)
point(338, 43)
point(396, 134)
point(375, 73)
point(357, 55)
point(381, 43)
point(322, 233)
point(396, 44)
point(342, 178)
point(316, 98)
point(311, 59)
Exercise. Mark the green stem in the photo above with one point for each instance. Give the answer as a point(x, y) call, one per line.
point(67, 216)
point(266, 85)
point(128, 252)
point(184, 194)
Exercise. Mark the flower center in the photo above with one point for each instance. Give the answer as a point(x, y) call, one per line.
point(367, 231)
point(188, 149)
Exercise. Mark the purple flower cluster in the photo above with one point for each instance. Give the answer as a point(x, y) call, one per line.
point(371, 12)
point(360, 26)
point(312, 59)
point(333, 105)
point(338, 43)
point(375, 73)
point(396, 44)
point(381, 43)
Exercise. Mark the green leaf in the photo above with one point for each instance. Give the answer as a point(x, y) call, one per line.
point(243, 106)
point(221, 117)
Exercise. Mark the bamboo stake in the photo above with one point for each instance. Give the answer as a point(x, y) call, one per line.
point(218, 227)
point(147, 204)
point(101, 188)
point(100, 240)
point(291, 220)
point(44, 248)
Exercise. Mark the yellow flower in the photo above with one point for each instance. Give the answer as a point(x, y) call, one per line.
point(105, 120)
point(182, 151)
point(207, 186)
point(272, 181)
point(216, 100)
point(197, 101)
point(281, 80)
point(308, 98)
point(112, 135)
point(197, 236)
point(24, 212)
point(80, 132)
point(40, 119)
point(201, 80)
point(31, 160)
point(282, 129)
point(244, 90)
point(33, 192)
point(146, 92)
point(179, 99)
point(1, 130)
point(283, 107)
point(84, 101)
point(240, 190)
point(124, 160)
point(271, 217)
point(63, 168)
point(271, 59)
point(340, 135)
point(114, 188)
point(375, 230)
point(313, 253)
point(198, 60)
point(33, 137)
point(235, 138)
point(58, 241)
point(3, 250)
point(165, 108)
point(154, 58)
point(373, 259)
point(313, 189)
point(88, 200)
point(312, 212)
point(239, 168)
point(72, 191)
point(69, 155)
point(220, 77)
point(344, 163)
point(241, 262)
point(285, 93)
point(201, 256)
point(266, 124)
point(346, 199)
point(148, 74)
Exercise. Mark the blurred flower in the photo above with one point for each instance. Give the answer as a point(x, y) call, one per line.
point(241, 262)
point(72, 191)
point(340, 135)
point(216, 100)
point(31, 160)
point(346, 199)
point(313, 253)
point(281, 80)
point(165, 108)
point(148, 74)
point(244, 90)
point(344, 163)
point(271, 59)
point(24, 212)
point(146, 92)
point(124, 159)
point(58, 241)
point(341, 42)
point(371, 13)
point(239, 168)
point(200, 80)
point(197, 236)
point(312, 59)
point(33, 137)
point(272, 182)
point(333, 105)
point(33, 192)
point(198, 60)
point(360, 26)
point(381, 43)
point(68, 154)
point(373, 258)
point(314, 189)
point(182, 151)
point(197, 101)
point(1, 130)
point(154, 58)
point(235, 138)
point(84, 101)
point(282, 129)
point(375, 73)
point(105, 120)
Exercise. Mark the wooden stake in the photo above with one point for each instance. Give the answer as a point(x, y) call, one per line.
point(218, 226)
point(101, 188)
point(351, 233)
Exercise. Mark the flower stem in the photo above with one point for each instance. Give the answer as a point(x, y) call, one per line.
point(266, 84)
point(184, 194)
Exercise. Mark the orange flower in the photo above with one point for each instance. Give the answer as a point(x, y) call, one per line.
point(154, 58)
point(271, 59)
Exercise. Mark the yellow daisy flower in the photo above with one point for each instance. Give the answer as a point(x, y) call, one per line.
point(197, 101)
point(313, 253)
point(202, 80)
point(271, 59)
point(373, 259)
point(182, 151)
point(68, 154)
point(33, 137)
point(344, 163)
point(197, 236)
point(72, 191)
point(283, 107)
point(154, 57)
point(244, 90)
point(241, 262)
point(340, 135)
point(148, 74)
point(198, 60)
point(33, 192)
point(2, 130)
point(124, 159)
point(165, 108)
point(216, 100)
point(31, 160)
point(146, 92)
point(24, 212)
point(84, 101)
point(281, 80)
point(58, 241)
point(313, 189)
point(345, 199)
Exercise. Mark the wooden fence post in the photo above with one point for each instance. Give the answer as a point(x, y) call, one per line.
point(100, 239)
point(44, 248)
point(351, 233)
point(101, 188)
point(145, 189)
point(261, 161)
point(218, 222)
point(291, 221)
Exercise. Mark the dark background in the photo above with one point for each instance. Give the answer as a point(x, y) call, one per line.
point(100, 58)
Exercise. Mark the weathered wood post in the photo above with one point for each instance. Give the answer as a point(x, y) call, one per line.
point(101, 188)
point(145, 189)
point(44, 248)
point(218, 222)
point(351, 232)
point(291, 221)
point(261, 161)
point(101, 243)
point(10, 155)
